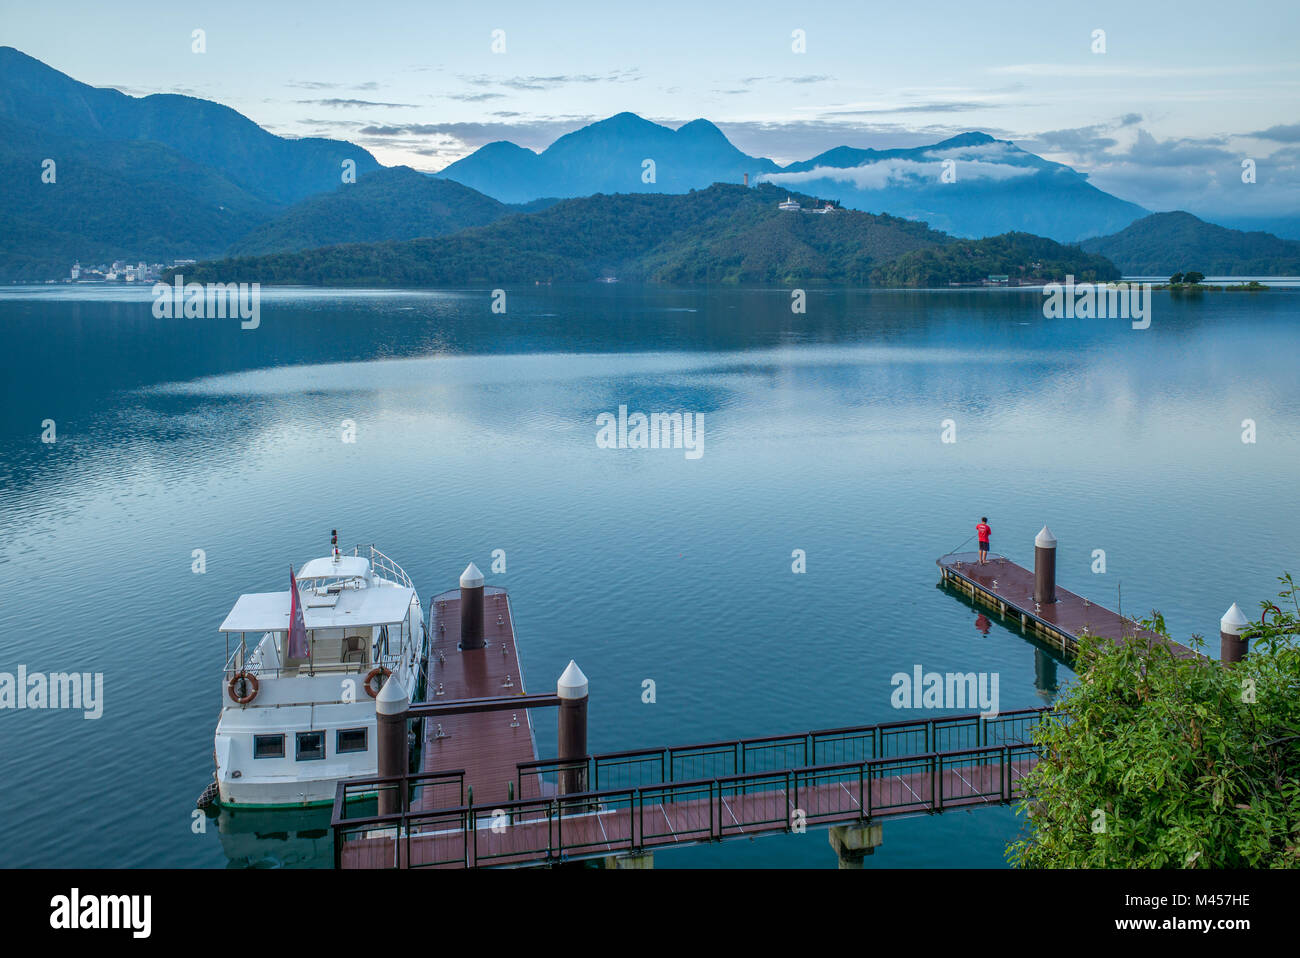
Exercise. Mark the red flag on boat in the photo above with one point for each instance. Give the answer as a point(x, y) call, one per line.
point(297, 624)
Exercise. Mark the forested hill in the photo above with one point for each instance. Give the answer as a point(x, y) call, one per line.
point(1166, 243)
point(394, 203)
point(1020, 256)
point(726, 234)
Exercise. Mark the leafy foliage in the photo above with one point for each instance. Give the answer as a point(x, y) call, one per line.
point(1192, 764)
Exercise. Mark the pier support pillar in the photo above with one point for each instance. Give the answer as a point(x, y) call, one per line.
point(1045, 567)
point(642, 859)
point(471, 608)
point(852, 843)
point(572, 738)
point(1232, 647)
point(391, 706)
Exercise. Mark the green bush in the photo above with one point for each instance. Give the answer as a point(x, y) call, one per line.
point(1157, 762)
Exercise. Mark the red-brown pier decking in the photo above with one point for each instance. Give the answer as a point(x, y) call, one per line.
point(487, 746)
point(611, 823)
point(643, 799)
point(1008, 589)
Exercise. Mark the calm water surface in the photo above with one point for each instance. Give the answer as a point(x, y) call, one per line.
point(476, 432)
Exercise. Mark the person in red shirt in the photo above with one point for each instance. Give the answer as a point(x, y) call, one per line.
point(983, 530)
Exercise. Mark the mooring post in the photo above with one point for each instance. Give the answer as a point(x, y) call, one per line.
point(1232, 647)
point(391, 707)
point(471, 608)
point(572, 738)
point(1045, 567)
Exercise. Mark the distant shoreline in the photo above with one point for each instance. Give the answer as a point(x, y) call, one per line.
point(1261, 284)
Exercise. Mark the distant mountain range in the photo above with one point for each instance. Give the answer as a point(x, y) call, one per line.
point(153, 177)
point(164, 177)
point(609, 156)
point(725, 234)
point(991, 186)
point(1166, 243)
point(968, 185)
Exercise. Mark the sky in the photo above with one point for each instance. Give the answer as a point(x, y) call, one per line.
point(1182, 93)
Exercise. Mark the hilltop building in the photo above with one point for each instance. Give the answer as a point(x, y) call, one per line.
point(792, 206)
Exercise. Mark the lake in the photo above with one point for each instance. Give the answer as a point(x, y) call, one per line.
point(476, 431)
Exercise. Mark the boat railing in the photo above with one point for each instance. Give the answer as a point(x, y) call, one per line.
point(253, 665)
point(385, 567)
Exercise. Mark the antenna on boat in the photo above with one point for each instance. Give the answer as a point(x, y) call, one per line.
point(334, 543)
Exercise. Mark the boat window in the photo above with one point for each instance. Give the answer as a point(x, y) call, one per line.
point(351, 740)
point(311, 745)
point(268, 746)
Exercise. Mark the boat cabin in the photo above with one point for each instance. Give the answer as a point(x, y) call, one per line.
point(355, 621)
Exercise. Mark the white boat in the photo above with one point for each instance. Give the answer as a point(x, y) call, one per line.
point(292, 727)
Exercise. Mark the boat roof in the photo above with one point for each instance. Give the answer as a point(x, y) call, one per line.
point(269, 611)
point(326, 567)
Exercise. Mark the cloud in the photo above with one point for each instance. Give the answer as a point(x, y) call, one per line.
point(980, 151)
point(321, 85)
point(551, 82)
point(789, 141)
point(893, 172)
point(1100, 69)
point(949, 107)
point(1150, 152)
point(1081, 144)
point(803, 78)
point(1282, 133)
point(452, 140)
point(344, 103)
point(1198, 174)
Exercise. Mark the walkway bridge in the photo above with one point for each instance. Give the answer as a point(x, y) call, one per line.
point(630, 802)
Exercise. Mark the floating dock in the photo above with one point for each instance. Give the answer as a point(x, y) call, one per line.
point(475, 726)
point(487, 746)
point(1032, 600)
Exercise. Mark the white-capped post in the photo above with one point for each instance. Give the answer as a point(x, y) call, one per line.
point(1232, 647)
point(572, 739)
point(471, 608)
point(391, 706)
point(1044, 567)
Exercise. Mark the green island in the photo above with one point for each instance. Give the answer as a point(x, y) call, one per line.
point(1190, 282)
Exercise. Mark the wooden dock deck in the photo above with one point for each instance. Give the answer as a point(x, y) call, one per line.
point(488, 746)
point(1008, 589)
